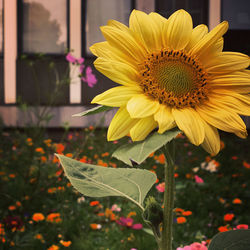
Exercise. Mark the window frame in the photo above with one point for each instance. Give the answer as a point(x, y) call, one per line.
point(20, 34)
point(83, 27)
point(2, 52)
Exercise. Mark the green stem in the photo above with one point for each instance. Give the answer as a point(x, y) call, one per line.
point(166, 239)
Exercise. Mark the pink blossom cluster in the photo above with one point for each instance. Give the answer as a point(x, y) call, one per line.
point(194, 246)
point(88, 77)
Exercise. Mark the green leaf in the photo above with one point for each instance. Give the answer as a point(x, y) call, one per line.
point(138, 151)
point(95, 110)
point(231, 240)
point(148, 231)
point(97, 181)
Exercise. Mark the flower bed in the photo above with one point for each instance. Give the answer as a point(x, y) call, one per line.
point(40, 209)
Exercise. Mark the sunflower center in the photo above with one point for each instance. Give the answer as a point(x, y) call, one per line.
point(174, 78)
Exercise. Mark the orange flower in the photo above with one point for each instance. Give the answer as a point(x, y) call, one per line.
point(160, 158)
point(237, 201)
point(40, 150)
point(94, 203)
point(59, 148)
point(246, 165)
point(223, 229)
point(188, 176)
point(65, 243)
point(38, 217)
point(222, 145)
point(102, 163)
point(176, 175)
point(18, 203)
point(54, 218)
point(11, 208)
point(179, 210)
point(12, 176)
point(228, 217)
point(53, 247)
point(131, 214)
point(52, 190)
point(39, 237)
point(181, 220)
point(69, 155)
point(105, 154)
point(95, 226)
point(43, 159)
point(186, 213)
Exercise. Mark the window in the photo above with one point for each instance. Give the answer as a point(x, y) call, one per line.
point(98, 13)
point(44, 26)
point(237, 13)
point(198, 9)
point(1, 26)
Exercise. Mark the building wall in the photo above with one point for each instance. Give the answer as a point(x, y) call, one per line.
point(18, 83)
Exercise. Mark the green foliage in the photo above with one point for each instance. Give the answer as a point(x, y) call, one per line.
point(138, 151)
point(93, 111)
point(97, 181)
point(231, 240)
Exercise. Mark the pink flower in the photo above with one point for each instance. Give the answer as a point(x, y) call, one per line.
point(90, 78)
point(241, 226)
point(194, 246)
point(70, 58)
point(115, 208)
point(161, 187)
point(198, 246)
point(198, 179)
point(128, 222)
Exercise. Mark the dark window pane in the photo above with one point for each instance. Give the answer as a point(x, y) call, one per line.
point(237, 13)
point(198, 9)
point(99, 12)
point(44, 26)
point(1, 26)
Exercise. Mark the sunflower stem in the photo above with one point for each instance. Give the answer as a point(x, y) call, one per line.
point(166, 239)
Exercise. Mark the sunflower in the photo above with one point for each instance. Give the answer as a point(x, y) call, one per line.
point(171, 74)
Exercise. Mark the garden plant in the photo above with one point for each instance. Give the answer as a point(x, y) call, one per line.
point(176, 79)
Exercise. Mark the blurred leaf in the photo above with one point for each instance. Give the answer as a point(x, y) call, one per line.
point(137, 152)
point(148, 231)
point(231, 240)
point(94, 110)
point(97, 181)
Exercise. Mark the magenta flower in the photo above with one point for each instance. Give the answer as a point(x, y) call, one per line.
point(198, 179)
point(90, 78)
point(70, 58)
point(194, 246)
point(128, 222)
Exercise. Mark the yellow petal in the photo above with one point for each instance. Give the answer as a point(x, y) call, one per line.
point(211, 141)
point(141, 24)
point(117, 97)
point(222, 118)
point(164, 119)
point(205, 44)
point(179, 30)
point(189, 121)
point(120, 125)
point(118, 25)
point(118, 72)
point(238, 82)
point(141, 106)
point(227, 62)
point(142, 128)
point(197, 34)
point(124, 42)
point(230, 100)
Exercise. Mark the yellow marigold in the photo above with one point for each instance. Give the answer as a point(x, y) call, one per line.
point(172, 74)
point(65, 243)
point(38, 217)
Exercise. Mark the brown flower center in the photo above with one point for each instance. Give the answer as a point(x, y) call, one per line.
point(174, 78)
